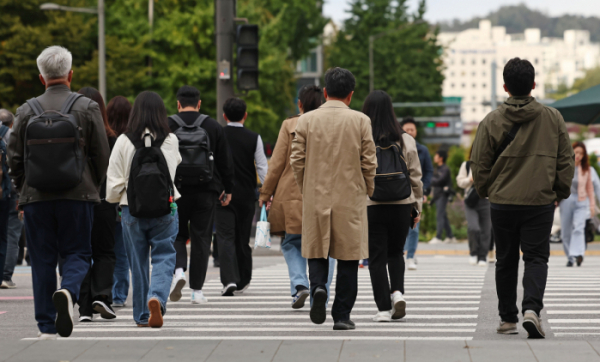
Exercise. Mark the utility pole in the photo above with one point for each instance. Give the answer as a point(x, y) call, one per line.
point(494, 100)
point(225, 28)
point(371, 66)
point(101, 51)
point(151, 26)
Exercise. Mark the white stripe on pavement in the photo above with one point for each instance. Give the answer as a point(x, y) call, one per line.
point(264, 338)
point(305, 310)
point(302, 316)
point(573, 321)
point(392, 324)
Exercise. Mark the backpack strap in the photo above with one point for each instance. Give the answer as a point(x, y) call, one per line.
point(198, 122)
point(468, 166)
point(178, 120)
point(507, 141)
point(66, 108)
point(35, 106)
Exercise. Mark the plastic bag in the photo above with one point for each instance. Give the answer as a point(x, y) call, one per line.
point(263, 231)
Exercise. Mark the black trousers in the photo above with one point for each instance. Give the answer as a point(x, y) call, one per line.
point(530, 230)
point(98, 282)
point(388, 228)
point(234, 226)
point(196, 218)
point(346, 286)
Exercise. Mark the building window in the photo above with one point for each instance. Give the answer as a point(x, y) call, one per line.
point(309, 64)
point(536, 61)
point(464, 85)
point(474, 74)
point(483, 85)
point(451, 85)
point(474, 85)
point(483, 61)
point(462, 62)
point(452, 74)
point(474, 110)
point(474, 61)
point(483, 74)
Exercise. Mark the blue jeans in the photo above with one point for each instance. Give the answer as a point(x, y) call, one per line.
point(291, 247)
point(412, 241)
point(57, 228)
point(121, 276)
point(14, 235)
point(154, 238)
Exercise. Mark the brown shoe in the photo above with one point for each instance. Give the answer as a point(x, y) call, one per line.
point(533, 324)
point(507, 328)
point(143, 325)
point(156, 319)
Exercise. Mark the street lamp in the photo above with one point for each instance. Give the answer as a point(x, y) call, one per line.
point(101, 44)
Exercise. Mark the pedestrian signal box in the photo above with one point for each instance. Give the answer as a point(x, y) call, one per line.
point(247, 57)
point(224, 70)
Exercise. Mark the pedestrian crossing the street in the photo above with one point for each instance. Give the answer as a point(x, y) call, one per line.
point(443, 302)
point(572, 299)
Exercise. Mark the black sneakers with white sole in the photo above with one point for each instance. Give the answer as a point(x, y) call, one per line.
point(318, 311)
point(104, 309)
point(64, 312)
point(228, 290)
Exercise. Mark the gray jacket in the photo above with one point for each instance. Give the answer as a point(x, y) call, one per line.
point(96, 147)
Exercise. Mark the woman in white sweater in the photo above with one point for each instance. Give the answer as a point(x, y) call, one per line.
point(146, 236)
point(479, 221)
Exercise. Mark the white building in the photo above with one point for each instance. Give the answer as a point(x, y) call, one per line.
point(469, 55)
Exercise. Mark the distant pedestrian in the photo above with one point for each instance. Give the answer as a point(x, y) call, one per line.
point(63, 135)
point(578, 208)
point(285, 213)
point(96, 290)
point(479, 221)
point(118, 111)
point(523, 161)
point(412, 241)
point(442, 189)
point(391, 217)
point(204, 175)
point(234, 219)
point(334, 162)
point(140, 178)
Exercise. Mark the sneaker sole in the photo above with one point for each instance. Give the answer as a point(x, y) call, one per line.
point(229, 291)
point(399, 310)
point(64, 320)
point(512, 331)
point(300, 302)
point(318, 311)
point(176, 293)
point(156, 319)
point(343, 327)
point(8, 287)
point(532, 330)
point(105, 313)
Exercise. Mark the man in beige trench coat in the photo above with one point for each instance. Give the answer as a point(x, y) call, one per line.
point(334, 163)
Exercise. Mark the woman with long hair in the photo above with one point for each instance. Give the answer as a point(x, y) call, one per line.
point(144, 237)
point(389, 221)
point(286, 208)
point(479, 219)
point(96, 289)
point(578, 208)
point(118, 111)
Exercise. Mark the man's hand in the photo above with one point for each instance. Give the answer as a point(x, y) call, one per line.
point(225, 199)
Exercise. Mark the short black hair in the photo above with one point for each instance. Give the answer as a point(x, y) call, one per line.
point(188, 96)
point(519, 76)
point(443, 154)
point(234, 109)
point(339, 82)
point(407, 120)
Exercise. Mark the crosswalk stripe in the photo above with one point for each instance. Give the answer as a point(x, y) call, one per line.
point(370, 297)
point(288, 310)
point(393, 324)
point(368, 330)
point(301, 316)
point(571, 305)
point(576, 320)
point(573, 311)
point(246, 302)
point(349, 335)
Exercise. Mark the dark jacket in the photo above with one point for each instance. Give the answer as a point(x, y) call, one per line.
point(223, 171)
point(440, 180)
point(537, 168)
point(426, 168)
point(96, 148)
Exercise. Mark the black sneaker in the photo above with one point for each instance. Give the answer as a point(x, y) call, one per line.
point(228, 290)
point(569, 263)
point(64, 312)
point(344, 326)
point(104, 309)
point(318, 311)
point(579, 260)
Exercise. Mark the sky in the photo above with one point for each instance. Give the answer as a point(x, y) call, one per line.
point(440, 10)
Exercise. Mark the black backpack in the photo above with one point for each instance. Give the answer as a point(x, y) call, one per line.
point(392, 181)
point(54, 149)
point(197, 162)
point(5, 185)
point(150, 189)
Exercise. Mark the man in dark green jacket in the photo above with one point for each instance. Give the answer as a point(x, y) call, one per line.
point(523, 184)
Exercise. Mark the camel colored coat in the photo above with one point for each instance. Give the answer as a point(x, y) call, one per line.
point(286, 210)
point(334, 162)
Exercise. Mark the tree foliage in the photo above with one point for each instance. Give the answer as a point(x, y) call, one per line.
point(407, 62)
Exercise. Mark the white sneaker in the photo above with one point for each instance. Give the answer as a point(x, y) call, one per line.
point(198, 297)
point(385, 316)
point(398, 305)
point(228, 290)
point(482, 263)
point(63, 304)
point(473, 260)
point(46, 336)
point(435, 241)
point(176, 287)
point(450, 241)
point(411, 264)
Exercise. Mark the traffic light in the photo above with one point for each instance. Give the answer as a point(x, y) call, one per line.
point(247, 57)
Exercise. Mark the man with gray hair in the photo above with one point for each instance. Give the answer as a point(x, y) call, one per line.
point(58, 211)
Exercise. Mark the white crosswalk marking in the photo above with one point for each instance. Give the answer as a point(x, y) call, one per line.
point(576, 312)
point(442, 297)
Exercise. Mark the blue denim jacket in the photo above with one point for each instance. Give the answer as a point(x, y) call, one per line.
point(426, 168)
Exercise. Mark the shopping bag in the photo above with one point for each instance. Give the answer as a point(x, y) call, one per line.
point(263, 231)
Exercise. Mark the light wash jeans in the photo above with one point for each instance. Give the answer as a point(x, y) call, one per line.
point(15, 226)
point(291, 247)
point(412, 241)
point(573, 214)
point(154, 238)
point(121, 275)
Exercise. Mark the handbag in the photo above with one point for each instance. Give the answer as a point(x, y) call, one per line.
point(263, 231)
point(471, 196)
point(590, 231)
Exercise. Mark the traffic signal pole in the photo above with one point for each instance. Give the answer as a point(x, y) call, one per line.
point(225, 29)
